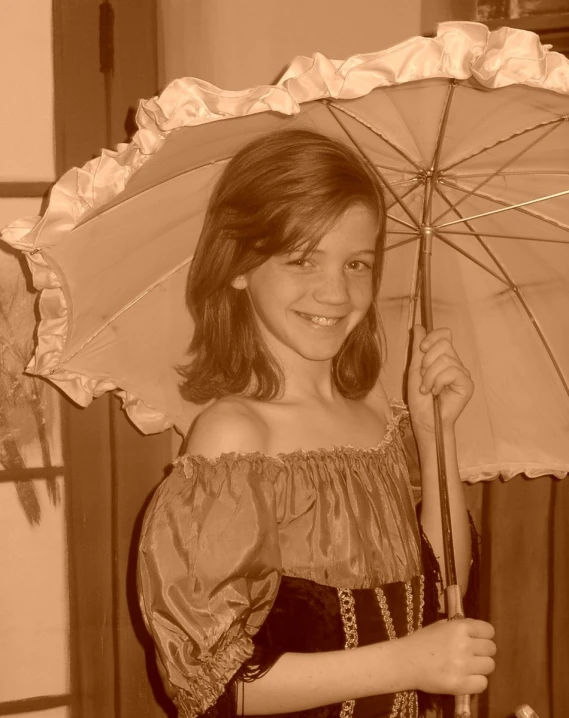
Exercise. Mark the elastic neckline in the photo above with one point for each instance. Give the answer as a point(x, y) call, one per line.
point(306, 454)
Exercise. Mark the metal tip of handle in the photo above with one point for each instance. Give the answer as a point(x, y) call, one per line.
point(525, 712)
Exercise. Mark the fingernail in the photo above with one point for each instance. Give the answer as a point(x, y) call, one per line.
point(423, 346)
point(423, 389)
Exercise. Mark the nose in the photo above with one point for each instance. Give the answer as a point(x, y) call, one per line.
point(332, 288)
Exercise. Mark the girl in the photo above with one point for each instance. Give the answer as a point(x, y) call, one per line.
point(282, 568)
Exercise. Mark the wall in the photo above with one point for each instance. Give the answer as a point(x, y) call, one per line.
point(34, 599)
point(435, 11)
point(237, 45)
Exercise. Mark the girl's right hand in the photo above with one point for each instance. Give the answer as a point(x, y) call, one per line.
point(452, 657)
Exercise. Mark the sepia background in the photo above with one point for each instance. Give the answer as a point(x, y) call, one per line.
point(74, 483)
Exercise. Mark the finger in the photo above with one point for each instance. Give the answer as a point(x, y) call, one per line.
point(439, 348)
point(440, 363)
point(454, 378)
point(480, 629)
point(473, 685)
point(444, 372)
point(482, 665)
point(484, 647)
point(434, 336)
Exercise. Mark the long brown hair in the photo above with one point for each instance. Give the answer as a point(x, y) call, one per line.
point(279, 193)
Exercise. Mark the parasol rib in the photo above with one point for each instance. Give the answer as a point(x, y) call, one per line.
point(515, 173)
point(497, 236)
point(373, 129)
point(400, 244)
point(116, 315)
point(405, 194)
point(402, 196)
point(520, 297)
point(398, 199)
point(509, 162)
point(400, 221)
point(473, 259)
point(515, 135)
point(414, 179)
point(531, 316)
point(503, 209)
point(473, 233)
point(503, 203)
point(399, 170)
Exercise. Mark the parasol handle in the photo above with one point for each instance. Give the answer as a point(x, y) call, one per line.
point(455, 610)
point(453, 592)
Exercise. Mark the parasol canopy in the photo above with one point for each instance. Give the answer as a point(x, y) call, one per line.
point(469, 132)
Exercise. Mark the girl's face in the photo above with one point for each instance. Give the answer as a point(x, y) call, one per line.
point(308, 306)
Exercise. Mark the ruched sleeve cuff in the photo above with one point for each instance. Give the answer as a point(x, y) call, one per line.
point(210, 679)
point(209, 571)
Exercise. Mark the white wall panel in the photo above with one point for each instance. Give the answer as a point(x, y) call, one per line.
point(26, 91)
point(34, 618)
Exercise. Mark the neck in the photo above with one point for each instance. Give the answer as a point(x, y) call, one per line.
point(314, 383)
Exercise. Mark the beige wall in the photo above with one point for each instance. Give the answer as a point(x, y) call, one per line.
point(435, 11)
point(238, 44)
point(26, 79)
point(33, 566)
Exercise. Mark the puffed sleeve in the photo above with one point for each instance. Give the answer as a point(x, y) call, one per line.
point(209, 571)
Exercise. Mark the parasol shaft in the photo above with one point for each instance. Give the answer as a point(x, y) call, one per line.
point(452, 591)
point(455, 610)
point(427, 318)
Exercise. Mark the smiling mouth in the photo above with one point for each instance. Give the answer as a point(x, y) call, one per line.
point(320, 321)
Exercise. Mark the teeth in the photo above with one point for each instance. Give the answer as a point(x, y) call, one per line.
point(322, 321)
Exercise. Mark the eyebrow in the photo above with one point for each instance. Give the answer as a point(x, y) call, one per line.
point(369, 252)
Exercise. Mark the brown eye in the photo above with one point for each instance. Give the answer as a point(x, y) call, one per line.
point(359, 266)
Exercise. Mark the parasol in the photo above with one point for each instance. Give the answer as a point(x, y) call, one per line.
point(469, 133)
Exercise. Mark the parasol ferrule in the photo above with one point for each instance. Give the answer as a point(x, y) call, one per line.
point(525, 712)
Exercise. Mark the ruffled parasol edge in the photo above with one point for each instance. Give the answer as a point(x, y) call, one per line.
point(507, 471)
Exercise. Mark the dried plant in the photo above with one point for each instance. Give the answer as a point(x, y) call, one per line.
point(24, 399)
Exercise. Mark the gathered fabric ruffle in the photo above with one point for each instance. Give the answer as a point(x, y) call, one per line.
point(208, 682)
point(460, 50)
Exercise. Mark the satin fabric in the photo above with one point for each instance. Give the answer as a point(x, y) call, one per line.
point(219, 534)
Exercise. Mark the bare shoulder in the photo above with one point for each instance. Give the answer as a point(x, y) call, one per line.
point(231, 424)
point(378, 401)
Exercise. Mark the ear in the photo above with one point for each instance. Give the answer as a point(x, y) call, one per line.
point(239, 282)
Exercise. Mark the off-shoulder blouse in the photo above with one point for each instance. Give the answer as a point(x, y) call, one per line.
point(220, 534)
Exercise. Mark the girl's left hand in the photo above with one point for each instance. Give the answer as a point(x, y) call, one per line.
point(435, 369)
